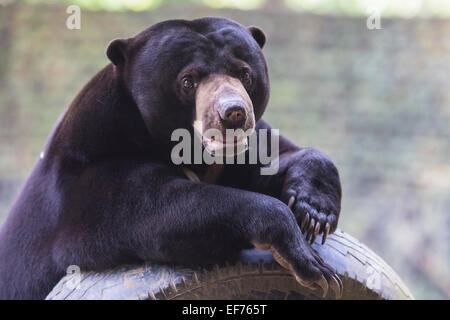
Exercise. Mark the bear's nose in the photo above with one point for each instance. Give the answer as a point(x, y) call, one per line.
point(233, 116)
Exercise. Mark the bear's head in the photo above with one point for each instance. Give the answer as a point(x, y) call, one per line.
point(206, 74)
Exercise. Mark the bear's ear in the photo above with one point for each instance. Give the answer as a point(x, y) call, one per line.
point(116, 51)
point(258, 35)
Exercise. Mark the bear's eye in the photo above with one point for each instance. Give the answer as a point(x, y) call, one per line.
point(188, 82)
point(246, 77)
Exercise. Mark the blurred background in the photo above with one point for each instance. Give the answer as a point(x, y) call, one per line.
point(377, 101)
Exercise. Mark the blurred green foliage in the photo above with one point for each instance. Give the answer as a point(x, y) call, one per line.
point(398, 8)
point(376, 101)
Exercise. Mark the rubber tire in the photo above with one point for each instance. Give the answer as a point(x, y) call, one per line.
point(257, 276)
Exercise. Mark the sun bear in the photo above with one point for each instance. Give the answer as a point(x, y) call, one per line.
point(106, 192)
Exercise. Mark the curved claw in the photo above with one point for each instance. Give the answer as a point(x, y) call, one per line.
point(316, 232)
point(310, 229)
point(291, 202)
point(336, 286)
point(304, 223)
point(341, 286)
point(280, 259)
point(325, 233)
point(303, 283)
point(318, 258)
point(322, 283)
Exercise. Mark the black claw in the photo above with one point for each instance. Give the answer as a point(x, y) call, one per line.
point(305, 223)
point(310, 229)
